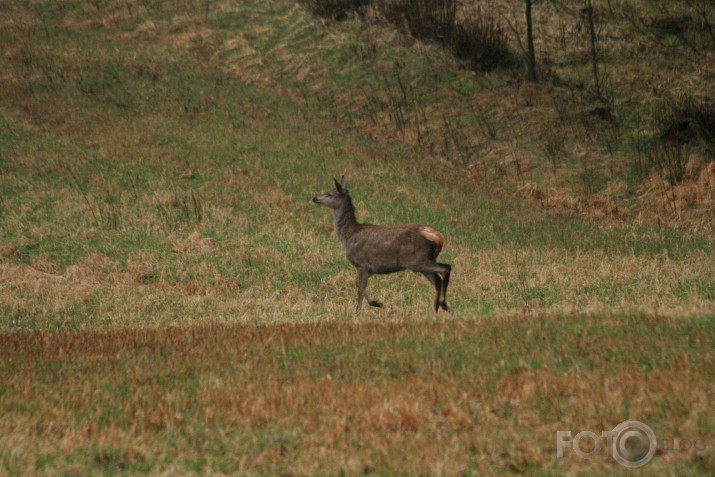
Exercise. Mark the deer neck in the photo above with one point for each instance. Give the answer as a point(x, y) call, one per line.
point(344, 220)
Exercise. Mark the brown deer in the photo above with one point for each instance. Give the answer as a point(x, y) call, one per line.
point(376, 250)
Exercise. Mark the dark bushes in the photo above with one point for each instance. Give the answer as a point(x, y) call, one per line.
point(336, 9)
point(478, 39)
point(424, 19)
point(671, 26)
point(481, 41)
point(683, 118)
point(678, 122)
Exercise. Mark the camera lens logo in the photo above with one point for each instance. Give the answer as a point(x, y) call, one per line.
point(631, 443)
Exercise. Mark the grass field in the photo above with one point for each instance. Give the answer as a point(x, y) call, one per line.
point(172, 303)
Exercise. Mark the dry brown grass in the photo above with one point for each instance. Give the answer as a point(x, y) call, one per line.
point(441, 398)
point(691, 201)
point(563, 203)
point(487, 282)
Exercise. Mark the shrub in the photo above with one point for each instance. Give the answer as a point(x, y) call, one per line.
point(683, 118)
point(669, 160)
point(338, 10)
point(425, 19)
point(481, 41)
point(668, 27)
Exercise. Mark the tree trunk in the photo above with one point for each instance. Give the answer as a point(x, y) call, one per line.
point(594, 55)
point(530, 56)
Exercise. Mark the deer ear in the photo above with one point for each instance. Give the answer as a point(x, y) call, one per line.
point(337, 185)
point(343, 184)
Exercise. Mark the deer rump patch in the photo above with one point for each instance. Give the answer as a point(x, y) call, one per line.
point(433, 236)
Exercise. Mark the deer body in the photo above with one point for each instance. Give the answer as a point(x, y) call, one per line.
point(388, 249)
point(375, 250)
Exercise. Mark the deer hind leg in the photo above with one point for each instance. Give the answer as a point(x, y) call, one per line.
point(436, 282)
point(438, 269)
point(445, 282)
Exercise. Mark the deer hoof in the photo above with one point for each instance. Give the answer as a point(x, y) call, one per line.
point(444, 305)
point(375, 303)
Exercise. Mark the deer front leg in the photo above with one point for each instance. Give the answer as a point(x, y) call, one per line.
point(361, 281)
point(370, 300)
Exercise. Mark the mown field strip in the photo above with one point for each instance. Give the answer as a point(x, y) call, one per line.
point(481, 397)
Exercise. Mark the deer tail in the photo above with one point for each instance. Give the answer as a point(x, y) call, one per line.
point(433, 236)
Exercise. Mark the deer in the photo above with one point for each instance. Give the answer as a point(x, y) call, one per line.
point(378, 250)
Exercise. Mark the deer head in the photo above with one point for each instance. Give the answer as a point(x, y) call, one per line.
point(334, 198)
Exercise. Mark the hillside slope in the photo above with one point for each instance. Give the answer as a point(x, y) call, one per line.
point(158, 165)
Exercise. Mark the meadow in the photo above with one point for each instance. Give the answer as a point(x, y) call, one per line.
point(172, 303)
